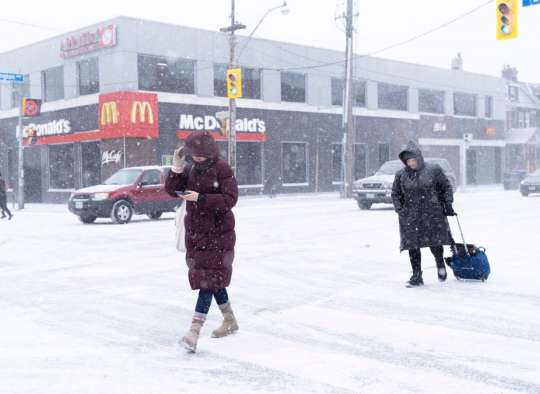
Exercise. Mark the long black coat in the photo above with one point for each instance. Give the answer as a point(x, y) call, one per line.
point(419, 198)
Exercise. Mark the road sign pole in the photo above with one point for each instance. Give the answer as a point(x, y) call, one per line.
point(20, 166)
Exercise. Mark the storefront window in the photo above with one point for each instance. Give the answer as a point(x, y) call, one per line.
point(337, 159)
point(220, 83)
point(294, 157)
point(431, 101)
point(293, 87)
point(223, 150)
point(384, 153)
point(249, 163)
point(20, 90)
point(251, 81)
point(53, 84)
point(393, 97)
point(88, 72)
point(61, 165)
point(163, 74)
point(358, 92)
point(91, 164)
point(464, 104)
point(489, 107)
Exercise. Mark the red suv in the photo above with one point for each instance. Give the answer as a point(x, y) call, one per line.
point(136, 190)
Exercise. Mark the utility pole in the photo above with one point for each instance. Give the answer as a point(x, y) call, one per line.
point(232, 102)
point(348, 120)
point(20, 164)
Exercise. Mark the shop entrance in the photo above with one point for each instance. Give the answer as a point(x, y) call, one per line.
point(91, 164)
point(472, 167)
point(32, 175)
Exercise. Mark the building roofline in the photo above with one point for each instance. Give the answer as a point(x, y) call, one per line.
point(262, 40)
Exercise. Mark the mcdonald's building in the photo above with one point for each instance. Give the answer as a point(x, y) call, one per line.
point(126, 92)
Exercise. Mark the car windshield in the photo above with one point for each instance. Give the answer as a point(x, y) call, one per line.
point(535, 174)
point(390, 167)
point(123, 177)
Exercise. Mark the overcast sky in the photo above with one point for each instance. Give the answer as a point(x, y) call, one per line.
point(311, 22)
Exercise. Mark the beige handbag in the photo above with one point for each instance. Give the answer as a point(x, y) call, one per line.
point(180, 228)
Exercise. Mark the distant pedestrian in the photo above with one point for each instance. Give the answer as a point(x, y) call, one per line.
point(211, 191)
point(3, 199)
point(422, 197)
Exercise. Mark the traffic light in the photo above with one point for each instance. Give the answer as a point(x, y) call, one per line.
point(507, 19)
point(234, 83)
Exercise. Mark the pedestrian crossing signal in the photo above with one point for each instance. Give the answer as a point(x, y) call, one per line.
point(234, 83)
point(507, 19)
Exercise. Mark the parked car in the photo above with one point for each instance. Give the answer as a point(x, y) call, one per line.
point(377, 189)
point(136, 190)
point(512, 179)
point(531, 184)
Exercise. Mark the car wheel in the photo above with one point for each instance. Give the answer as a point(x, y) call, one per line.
point(364, 205)
point(87, 219)
point(525, 194)
point(155, 215)
point(122, 212)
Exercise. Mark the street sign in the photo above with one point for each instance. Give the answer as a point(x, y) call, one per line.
point(527, 3)
point(11, 77)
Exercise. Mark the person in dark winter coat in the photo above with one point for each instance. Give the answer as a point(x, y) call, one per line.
point(3, 199)
point(211, 191)
point(423, 198)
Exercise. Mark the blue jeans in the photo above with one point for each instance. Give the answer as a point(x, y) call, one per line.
point(205, 299)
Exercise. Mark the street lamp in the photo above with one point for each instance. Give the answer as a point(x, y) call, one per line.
point(284, 11)
point(232, 46)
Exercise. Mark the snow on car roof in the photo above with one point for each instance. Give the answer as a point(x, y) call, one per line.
point(147, 168)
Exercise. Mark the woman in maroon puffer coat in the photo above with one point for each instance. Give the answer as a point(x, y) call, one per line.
point(211, 191)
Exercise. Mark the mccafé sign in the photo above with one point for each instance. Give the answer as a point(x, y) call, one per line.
point(89, 41)
point(247, 129)
point(129, 114)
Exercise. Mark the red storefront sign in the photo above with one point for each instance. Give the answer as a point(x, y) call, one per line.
point(89, 41)
point(247, 129)
point(128, 114)
point(121, 114)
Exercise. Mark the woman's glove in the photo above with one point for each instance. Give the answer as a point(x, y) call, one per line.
point(179, 160)
point(448, 210)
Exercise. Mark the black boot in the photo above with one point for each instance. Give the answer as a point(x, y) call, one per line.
point(441, 270)
point(416, 278)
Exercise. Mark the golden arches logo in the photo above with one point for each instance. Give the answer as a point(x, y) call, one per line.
point(143, 110)
point(109, 113)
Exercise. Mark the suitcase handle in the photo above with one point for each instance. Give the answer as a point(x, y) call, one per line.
point(462, 236)
point(454, 247)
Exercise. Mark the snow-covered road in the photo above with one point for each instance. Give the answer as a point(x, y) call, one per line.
point(318, 289)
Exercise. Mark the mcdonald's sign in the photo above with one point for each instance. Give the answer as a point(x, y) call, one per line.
point(129, 114)
point(141, 112)
point(109, 113)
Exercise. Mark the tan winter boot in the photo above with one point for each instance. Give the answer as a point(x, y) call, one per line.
point(229, 325)
point(192, 337)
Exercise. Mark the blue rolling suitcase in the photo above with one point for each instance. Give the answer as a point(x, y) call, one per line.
point(468, 261)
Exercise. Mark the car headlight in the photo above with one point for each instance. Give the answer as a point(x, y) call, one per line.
point(100, 196)
point(388, 185)
point(71, 196)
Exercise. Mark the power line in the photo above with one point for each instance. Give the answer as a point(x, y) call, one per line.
point(32, 25)
point(398, 44)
